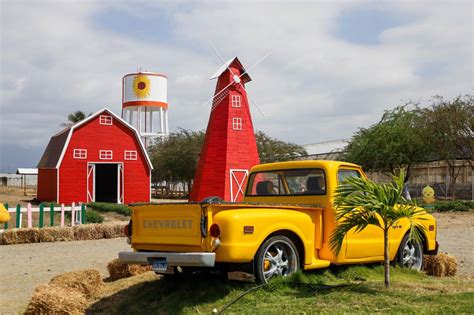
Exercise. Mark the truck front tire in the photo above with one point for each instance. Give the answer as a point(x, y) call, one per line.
point(277, 256)
point(410, 254)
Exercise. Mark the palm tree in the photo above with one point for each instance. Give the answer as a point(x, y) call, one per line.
point(361, 202)
point(76, 117)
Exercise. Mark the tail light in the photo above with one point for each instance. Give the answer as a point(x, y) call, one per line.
point(214, 230)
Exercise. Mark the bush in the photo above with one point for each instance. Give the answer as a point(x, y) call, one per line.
point(456, 205)
point(93, 216)
point(110, 207)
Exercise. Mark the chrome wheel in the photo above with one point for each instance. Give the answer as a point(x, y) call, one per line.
point(276, 257)
point(411, 255)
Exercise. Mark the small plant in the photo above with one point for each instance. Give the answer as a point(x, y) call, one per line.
point(93, 216)
point(110, 207)
point(361, 202)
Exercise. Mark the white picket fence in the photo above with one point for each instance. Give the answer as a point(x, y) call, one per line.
point(76, 214)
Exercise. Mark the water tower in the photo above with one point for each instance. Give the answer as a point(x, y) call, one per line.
point(145, 104)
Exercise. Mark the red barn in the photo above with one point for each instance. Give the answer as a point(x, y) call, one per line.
point(98, 159)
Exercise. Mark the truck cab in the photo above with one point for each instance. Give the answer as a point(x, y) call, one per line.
point(283, 224)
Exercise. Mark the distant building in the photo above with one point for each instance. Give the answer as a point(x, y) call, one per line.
point(327, 150)
point(100, 158)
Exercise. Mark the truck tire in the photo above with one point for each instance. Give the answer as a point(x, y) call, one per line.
point(410, 254)
point(277, 256)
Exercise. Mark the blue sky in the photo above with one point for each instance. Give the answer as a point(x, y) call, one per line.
point(335, 65)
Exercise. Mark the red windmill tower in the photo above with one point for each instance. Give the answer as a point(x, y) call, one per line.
point(230, 148)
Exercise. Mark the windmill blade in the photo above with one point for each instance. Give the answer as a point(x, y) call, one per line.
point(253, 101)
point(217, 94)
point(220, 57)
point(256, 63)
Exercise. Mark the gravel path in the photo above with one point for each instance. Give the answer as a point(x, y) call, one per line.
point(23, 267)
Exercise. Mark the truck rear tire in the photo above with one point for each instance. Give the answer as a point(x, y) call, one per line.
point(277, 256)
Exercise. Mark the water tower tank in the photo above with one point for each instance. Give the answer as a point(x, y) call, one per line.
point(145, 104)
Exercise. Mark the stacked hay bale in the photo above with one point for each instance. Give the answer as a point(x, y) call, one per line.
point(62, 234)
point(117, 270)
point(67, 293)
point(441, 265)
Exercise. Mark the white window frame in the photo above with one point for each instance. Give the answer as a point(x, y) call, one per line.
point(236, 101)
point(105, 155)
point(237, 123)
point(130, 155)
point(105, 120)
point(79, 154)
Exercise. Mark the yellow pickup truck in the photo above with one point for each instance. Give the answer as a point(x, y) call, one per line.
point(283, 224)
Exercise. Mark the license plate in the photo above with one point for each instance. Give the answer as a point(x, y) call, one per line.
point(159, 264)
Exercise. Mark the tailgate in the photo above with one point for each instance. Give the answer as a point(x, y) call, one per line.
point(167, 224)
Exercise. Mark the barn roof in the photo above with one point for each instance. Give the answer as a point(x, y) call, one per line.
point(57, 146)
point(246, 78)
point(53, 151)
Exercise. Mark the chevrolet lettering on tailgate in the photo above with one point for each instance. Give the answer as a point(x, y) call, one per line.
point(168, 224)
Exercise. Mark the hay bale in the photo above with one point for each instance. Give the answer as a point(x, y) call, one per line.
point(441, 265)
point(117, 270)
point(113, 230)
point(87, 232)
point(51, 299)
point(56, 234)
point(88, 281)
point(20, 236)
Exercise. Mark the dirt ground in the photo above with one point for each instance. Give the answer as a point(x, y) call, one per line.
point(15, 195)
point(23, 267)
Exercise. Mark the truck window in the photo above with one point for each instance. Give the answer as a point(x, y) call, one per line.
point(343, 174)
point(287, 183)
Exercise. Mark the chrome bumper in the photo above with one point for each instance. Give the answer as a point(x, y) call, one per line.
point(173, 259)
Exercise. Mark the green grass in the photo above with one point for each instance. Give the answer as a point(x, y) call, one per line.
point(356, 289)
point(447, 205)
point(110, 207)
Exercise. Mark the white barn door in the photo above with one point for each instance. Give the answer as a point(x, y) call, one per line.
point(90, 182)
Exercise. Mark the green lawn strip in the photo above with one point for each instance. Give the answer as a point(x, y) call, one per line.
point(110, 207)
point(357, 289)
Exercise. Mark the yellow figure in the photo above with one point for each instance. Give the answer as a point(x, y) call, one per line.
point(4, 215)
point(428, 194)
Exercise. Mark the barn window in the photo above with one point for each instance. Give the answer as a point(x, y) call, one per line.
point(105, 154)
point(105, 120)
point(80, 154)
point(130, 155)
point(237, 123)
point(235, 100)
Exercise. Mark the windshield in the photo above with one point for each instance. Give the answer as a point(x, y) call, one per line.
point(287, 183)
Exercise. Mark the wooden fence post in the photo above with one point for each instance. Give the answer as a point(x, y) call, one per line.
point(5, 226)
point(18, 216)
point(51, 214)
point(41, 216)
point(62, 214)
point(73, 213)
point(29, 215)
point(83, 214)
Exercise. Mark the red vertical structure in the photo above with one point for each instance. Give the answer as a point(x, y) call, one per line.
point(230, 148)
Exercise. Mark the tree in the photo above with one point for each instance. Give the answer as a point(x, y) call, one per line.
point(449, 131)
point(75, 117)
point(395, 142)
point(274, 150)
point(175, 158)
point(361, 202)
